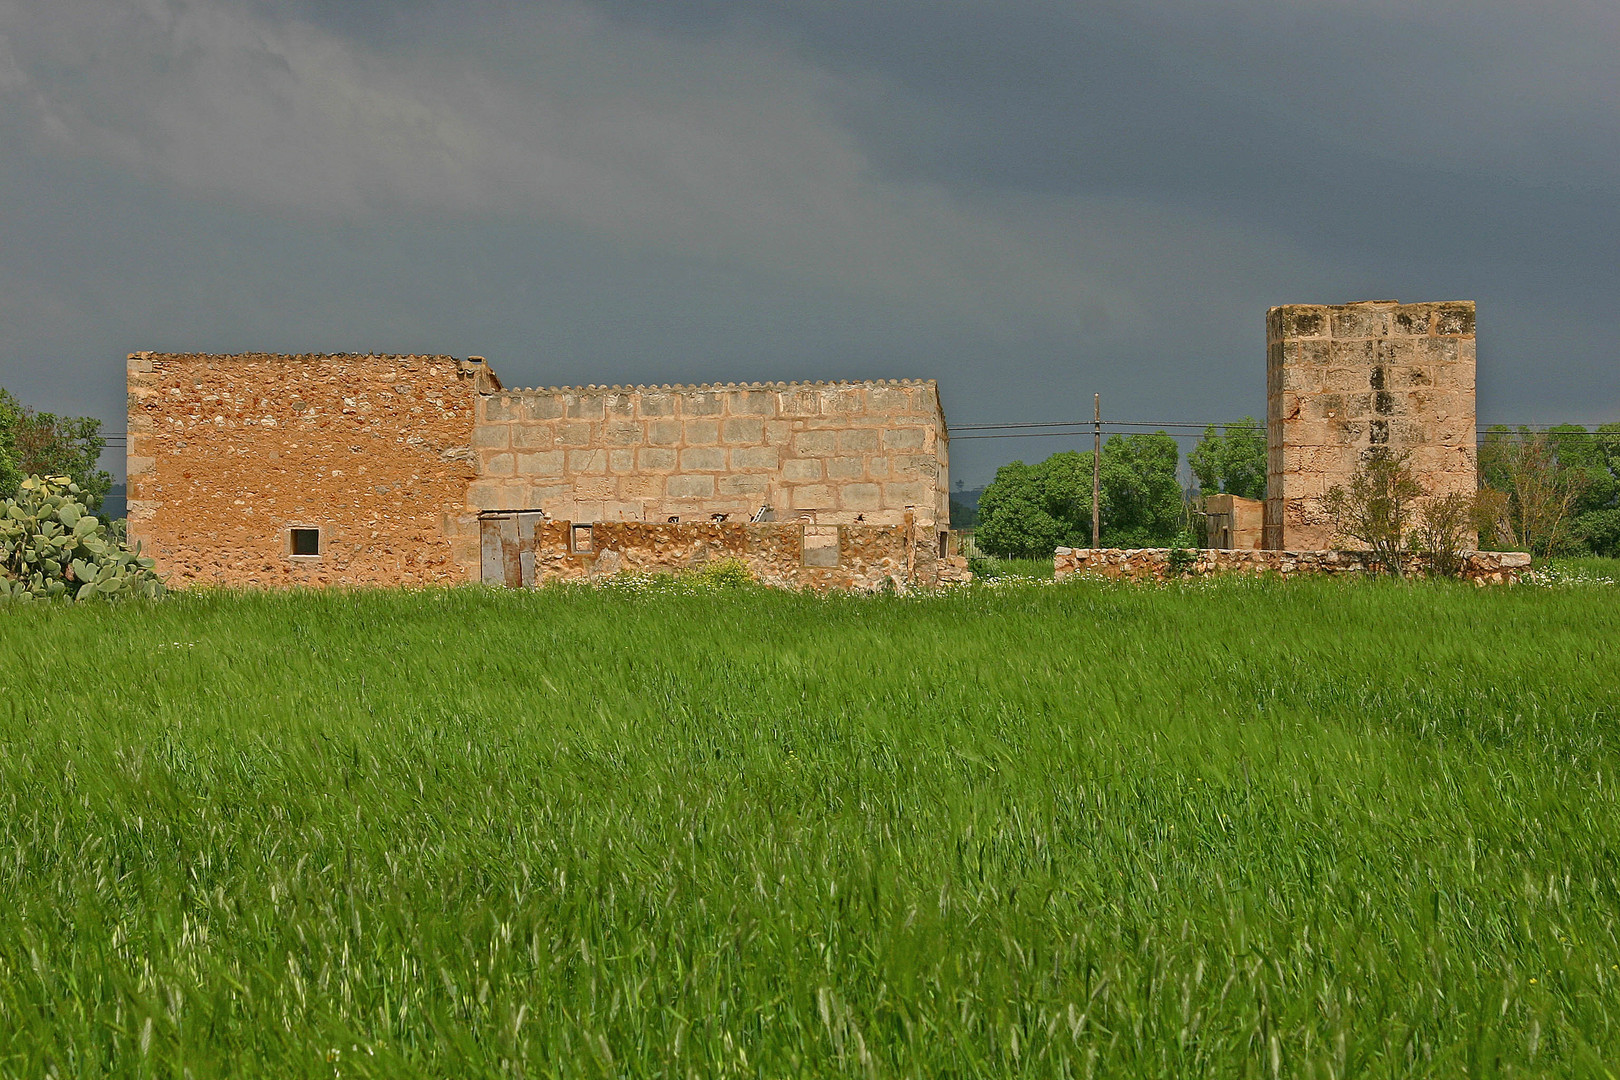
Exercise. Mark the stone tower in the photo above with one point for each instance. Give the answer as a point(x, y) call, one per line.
point(1349, 381)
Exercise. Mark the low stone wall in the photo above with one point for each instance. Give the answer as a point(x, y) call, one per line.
point(791, 555)
point(1153, 564)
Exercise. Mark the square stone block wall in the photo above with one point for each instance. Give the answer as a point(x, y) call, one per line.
point(831, 453)
point(1234, 522)
point(227, 454)
point(1346, 382)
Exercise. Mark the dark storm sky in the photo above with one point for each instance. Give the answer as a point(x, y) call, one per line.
point(1028, 201)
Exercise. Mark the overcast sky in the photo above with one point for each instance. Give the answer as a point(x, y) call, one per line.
point(1028, 201)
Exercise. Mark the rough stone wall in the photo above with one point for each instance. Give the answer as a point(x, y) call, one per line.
point(1346, 382)
point(1153, 564)
point(833, 453)
point(228, 453)
point(781, 554)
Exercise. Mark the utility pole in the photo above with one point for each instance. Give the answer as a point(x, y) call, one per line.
point(1096, 473)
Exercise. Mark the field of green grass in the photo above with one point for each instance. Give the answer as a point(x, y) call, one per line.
point(1591, 567)
point(995, 568)
point(1304, 829)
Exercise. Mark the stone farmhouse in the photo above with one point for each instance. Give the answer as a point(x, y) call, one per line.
point(269, 470)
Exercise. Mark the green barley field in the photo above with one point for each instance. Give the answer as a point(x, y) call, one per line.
point(1306, 829)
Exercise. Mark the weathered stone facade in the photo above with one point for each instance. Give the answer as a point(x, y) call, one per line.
point(228, 454)
point(1234, 522)
point(383, 463)
point(781, 554)
point(1346, 382)
point(832, 453)
point(1155, 564)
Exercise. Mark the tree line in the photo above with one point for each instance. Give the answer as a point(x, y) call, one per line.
point(34, 443)
point(1029, 510)
point(1554, 492)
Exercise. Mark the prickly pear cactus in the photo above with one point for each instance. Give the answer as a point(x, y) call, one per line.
point(52, 546)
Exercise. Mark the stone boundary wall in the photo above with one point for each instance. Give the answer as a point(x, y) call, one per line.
point(1153, 564)
point(834, 453)
point(1345, 382)
point(789, 555)
point(227, 454)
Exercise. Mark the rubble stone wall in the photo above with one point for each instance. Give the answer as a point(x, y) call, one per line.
point(1346, 382)
point(842, 453)
point(782, 554)
point(227, 454)
point(1156, 564)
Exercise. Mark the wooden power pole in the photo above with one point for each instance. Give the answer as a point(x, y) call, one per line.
point(1096, 473)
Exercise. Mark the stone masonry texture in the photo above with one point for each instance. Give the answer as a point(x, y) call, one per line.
point(392, 458)
point(1234, 522)
point(837, 453)
point(1346, 382)
point(858, 557)
point(228, 454)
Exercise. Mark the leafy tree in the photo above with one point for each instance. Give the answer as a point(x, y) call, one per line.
point(1028, 510)
point(1599, 531)
point(10, 475)
point(1545, 477)
point(1595, 457)
point(1141, 495)
point(1232, 461)
point(44, 444)
point(1585, 455)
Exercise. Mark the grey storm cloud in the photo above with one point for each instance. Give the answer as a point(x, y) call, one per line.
point(1029, 201)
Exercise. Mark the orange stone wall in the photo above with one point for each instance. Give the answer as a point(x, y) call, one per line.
point(228, 453)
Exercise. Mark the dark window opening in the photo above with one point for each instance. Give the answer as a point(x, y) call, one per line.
point(306, 541)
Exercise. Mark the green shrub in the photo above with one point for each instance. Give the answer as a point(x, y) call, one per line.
point(51, 546)
point(1183, 553)
point(724, 574)
point(1598, 531)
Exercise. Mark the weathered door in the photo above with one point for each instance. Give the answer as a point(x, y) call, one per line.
point(507, 541)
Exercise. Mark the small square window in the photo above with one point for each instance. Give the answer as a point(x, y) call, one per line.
point(820, 545)
point(306, 541)
point(582, 538)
